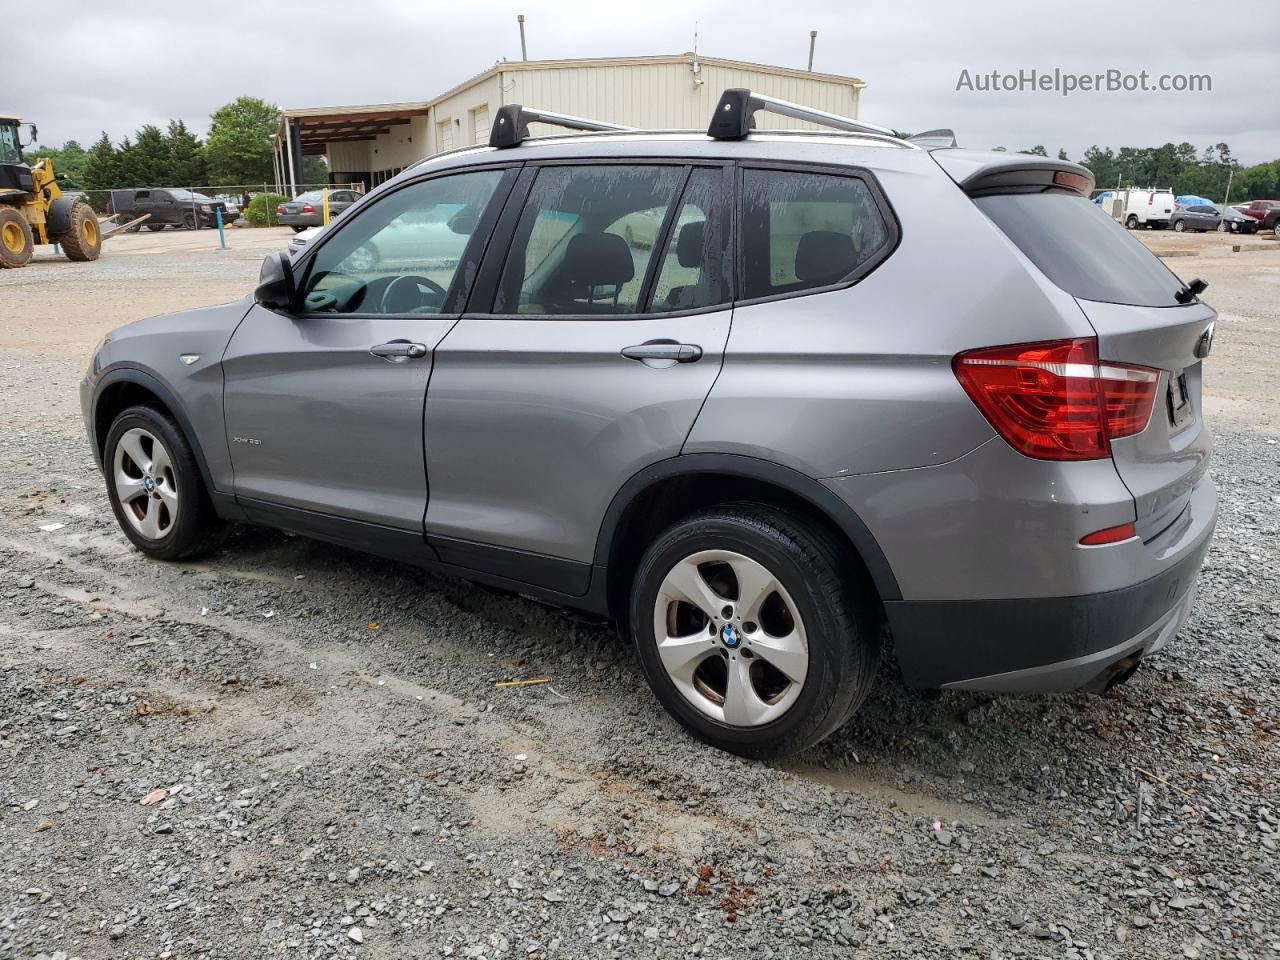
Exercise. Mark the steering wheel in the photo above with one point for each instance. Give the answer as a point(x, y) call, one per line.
point(405, 294)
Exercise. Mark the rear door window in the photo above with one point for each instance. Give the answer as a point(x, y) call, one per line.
point(802, 230)
point(1081, 249)
point(695, 267)
point(585, 239)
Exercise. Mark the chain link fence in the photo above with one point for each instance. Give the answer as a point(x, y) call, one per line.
point(196, 208)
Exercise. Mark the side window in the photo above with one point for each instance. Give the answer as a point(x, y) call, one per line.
point(400, 255)
point(694, 269)
point(142, 195)
point(803, 230)
point(585, 238)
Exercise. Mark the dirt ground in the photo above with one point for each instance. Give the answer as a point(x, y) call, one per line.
point(293, 750)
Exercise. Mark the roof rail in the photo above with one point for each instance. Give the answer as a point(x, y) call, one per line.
point(736, 111)
point(511, 125)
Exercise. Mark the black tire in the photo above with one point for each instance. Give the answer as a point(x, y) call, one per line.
point(298, 228)
point(17, 243)
point(189, 221)
point(154, 227)
point(197, 529)
point(837, 612)
point(83, 241)
point(1179, 227)
point(1131, 222)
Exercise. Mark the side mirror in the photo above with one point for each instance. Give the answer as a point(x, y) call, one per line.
point(276, 288)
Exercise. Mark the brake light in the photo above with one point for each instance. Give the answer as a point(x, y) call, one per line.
point(308, 208)
point(1072, 181)
point(280, 208)
point(1054, 400)
point(1117, 534)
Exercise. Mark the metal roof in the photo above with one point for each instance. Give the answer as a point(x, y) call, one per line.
point(322, 125)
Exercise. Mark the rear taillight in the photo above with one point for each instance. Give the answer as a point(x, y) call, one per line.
point(1054, 400)
point(308, 208)
point(280, 208)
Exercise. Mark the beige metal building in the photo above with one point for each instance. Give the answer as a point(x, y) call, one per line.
point(368, 144)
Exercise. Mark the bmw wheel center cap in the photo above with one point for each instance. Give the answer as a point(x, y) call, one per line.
point(729, 634)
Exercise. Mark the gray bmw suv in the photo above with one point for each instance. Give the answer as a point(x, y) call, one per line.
point(841, 387)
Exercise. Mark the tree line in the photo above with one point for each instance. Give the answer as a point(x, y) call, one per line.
point(237, 151)
point(1181, 168)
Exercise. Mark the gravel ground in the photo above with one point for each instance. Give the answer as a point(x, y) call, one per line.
point(290, 749)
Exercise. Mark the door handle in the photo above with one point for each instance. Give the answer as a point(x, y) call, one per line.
point(664, 350)
point(399, 350)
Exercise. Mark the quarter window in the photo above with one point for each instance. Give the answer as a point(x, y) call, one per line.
point(804, 230)
point(585, 239)
point(401, 255)
point(695, 269)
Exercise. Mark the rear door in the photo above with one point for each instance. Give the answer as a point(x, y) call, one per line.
point(1132, 300)
point(586, 356)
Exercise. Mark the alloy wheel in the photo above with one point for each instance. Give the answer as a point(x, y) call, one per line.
point(730, 638)
point(143, 476)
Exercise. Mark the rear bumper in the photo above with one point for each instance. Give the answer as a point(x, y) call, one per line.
point(298, 219)
point(1046, 644)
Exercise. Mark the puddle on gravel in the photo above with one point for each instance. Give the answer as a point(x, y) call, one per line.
point(863, 783)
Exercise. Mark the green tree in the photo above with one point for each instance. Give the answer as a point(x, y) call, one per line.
point(148, 158)
point(101, 165)
point(239, 146)
point(1062, 154)
point(68, 162)
point(315, 169)
point(186, 161)
point(1036, 151)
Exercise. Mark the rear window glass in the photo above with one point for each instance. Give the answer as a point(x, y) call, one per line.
point(1081, 249)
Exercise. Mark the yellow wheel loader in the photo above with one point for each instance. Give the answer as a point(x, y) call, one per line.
point(33, 209)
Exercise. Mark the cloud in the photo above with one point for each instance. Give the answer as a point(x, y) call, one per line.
point(127, 63)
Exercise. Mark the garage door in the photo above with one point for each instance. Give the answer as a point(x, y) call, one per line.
point(480, 124)
point(444, 135)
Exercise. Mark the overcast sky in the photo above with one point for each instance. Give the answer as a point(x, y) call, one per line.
point(82, 68)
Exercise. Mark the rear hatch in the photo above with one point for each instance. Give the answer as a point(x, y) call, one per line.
point(1133, 302)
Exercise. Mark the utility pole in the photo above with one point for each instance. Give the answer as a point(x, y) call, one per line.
point(813, 39)
point(524, 53)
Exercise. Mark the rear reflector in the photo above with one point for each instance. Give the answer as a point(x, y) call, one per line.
point(1126, 531)
point(1054, 400)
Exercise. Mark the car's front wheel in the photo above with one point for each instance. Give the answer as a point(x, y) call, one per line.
point(1179, 227)
point(155, 487)
point(751, 630)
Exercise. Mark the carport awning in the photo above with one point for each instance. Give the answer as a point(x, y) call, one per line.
point(320, 126)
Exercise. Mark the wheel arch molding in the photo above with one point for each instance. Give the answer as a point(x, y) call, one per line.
point(638, 493)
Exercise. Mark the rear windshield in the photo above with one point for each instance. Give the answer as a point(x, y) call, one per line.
point(1081, 249)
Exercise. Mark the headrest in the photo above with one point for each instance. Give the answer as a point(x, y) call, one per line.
point(597, 260)
point(690, 245)
point(824, 255)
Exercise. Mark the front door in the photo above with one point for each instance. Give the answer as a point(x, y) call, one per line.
point(608, 307)
point(324, 405)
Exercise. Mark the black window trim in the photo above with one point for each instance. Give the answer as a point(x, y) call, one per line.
point(485, 290)
point(893, 226)
point(472, 255)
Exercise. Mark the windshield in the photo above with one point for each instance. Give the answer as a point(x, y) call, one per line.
point(1081, 249)
point(9, 144)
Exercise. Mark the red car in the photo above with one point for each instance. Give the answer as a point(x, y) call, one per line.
point(1258, 209)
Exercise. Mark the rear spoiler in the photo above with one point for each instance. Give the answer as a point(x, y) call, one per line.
point(979, 172)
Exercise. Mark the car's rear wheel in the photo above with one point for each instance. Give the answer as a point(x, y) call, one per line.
point(155, 487)
point(298, 228)
point(1131, 222)
point(749, 630)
